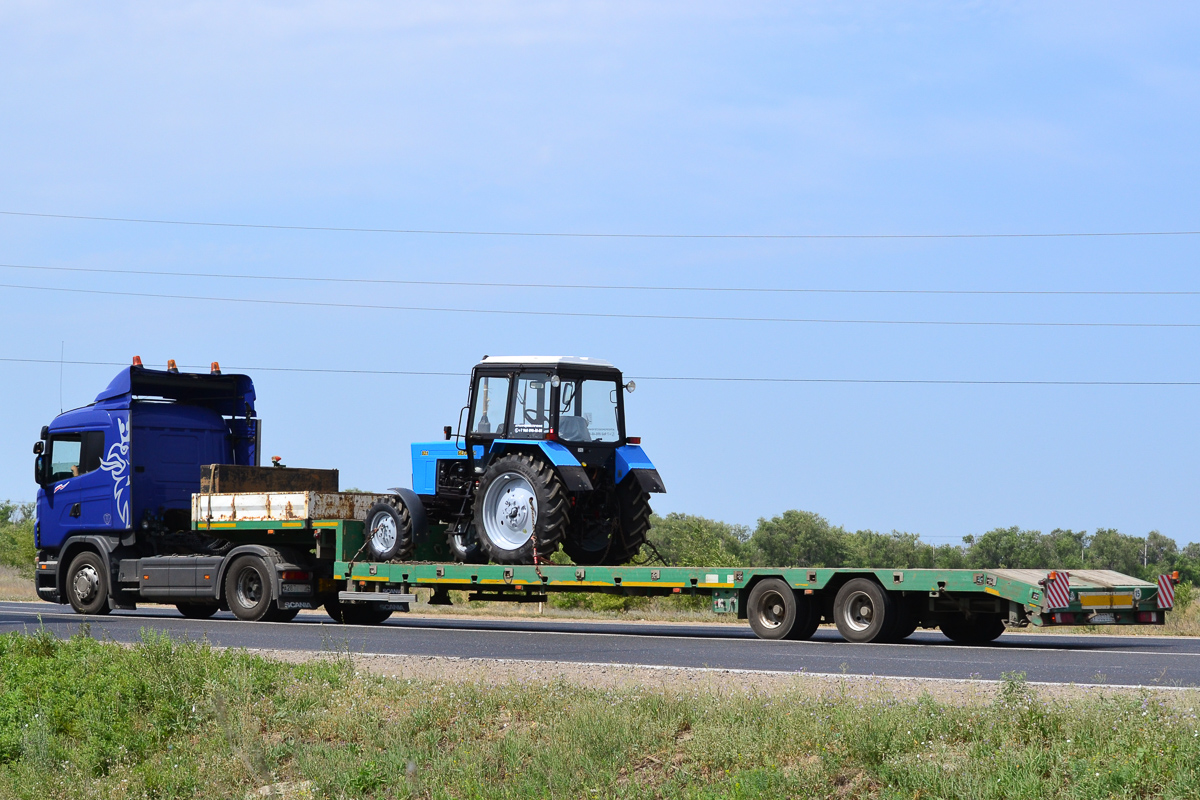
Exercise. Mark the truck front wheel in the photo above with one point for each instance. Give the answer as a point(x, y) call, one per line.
point(248, 589)
point(197, 610)
point(87, 584)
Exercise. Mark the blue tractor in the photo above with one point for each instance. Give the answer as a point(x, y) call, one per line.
point(543, 460)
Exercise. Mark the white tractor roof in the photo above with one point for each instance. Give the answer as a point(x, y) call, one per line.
point(550, 361)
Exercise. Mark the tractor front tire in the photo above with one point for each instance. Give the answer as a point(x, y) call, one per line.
point(520, 510)
point(197, 610)
point(388, 526)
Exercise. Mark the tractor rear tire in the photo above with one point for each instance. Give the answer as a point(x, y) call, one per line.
point(520, 510)
point(87, 584)
point(977, 630)
point(773, 611)
point(388, 526)
point(863, 611)
point(622, 542)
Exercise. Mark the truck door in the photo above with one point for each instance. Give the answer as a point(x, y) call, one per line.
point(78, 494)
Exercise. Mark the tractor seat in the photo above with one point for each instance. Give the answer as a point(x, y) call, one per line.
point(573, 429)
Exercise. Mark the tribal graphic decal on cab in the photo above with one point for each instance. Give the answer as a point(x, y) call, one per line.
point(116, 463)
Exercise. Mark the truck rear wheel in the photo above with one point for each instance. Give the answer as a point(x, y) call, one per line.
point(520, 510)
point(388, 526)
point(977, 630)
point(87, 584)
point(248, 589)
point(863, 611)
point(773, 611)
point(197, 610)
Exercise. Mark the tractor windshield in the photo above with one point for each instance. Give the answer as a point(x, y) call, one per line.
point(587, 410)
point(531, 412)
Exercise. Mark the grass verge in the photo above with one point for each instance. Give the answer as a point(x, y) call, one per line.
point(82, 718)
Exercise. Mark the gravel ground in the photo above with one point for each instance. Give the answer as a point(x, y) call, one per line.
point(494, 672)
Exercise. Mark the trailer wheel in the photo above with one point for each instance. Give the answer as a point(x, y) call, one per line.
point(863, 611)
point(389, 531)
point(355, 613)
point(520, 510)
point(248, 589)
point(87, 584)
point(197, 610)
point(907, 620)
point(808, 619)
point(772, 609)
point(981, 628)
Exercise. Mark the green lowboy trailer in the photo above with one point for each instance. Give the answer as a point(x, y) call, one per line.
point(866, 605)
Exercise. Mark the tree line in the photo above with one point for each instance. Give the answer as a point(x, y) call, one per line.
point(806, 539)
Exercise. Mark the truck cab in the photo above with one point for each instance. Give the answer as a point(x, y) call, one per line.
point(117, 476)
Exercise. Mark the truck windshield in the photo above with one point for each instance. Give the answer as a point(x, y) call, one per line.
point(587, 410)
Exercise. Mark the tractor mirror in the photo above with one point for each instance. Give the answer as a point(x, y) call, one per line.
point(37, 447)
point(448, 430)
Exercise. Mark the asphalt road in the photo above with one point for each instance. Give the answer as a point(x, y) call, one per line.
point(1051, 658)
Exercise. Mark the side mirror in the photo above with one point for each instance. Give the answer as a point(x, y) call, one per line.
point(45, 432)
point(449, 431)
point(37, 448)
point(39, 470)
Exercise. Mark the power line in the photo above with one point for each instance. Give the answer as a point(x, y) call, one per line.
point(677, 378)
point(605, 315)
point(588, 286)
point(581, 235)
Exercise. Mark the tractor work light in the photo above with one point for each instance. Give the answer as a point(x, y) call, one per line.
point(629, 387)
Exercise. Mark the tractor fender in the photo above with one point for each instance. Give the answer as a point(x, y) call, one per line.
point(563, 460)
point(416, 512)
point(631, 458)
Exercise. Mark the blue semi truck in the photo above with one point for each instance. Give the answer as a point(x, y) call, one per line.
point(542, 461)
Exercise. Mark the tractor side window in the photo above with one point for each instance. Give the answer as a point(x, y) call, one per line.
point(531, 416)
point(588, 411)
point(491, 405)
point(64, 456)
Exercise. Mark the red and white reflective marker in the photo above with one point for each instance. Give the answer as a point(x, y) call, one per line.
point(1166, 592)
point(1058, 590)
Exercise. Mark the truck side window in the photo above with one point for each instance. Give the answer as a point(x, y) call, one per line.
point(75, 454)
point(491, 405)
point(64, 456)
point(92, 451)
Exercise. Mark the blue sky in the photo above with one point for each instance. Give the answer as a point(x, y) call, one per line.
point(637, 118)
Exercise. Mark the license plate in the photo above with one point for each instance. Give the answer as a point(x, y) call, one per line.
point(1102, 619)
point(296, 588)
